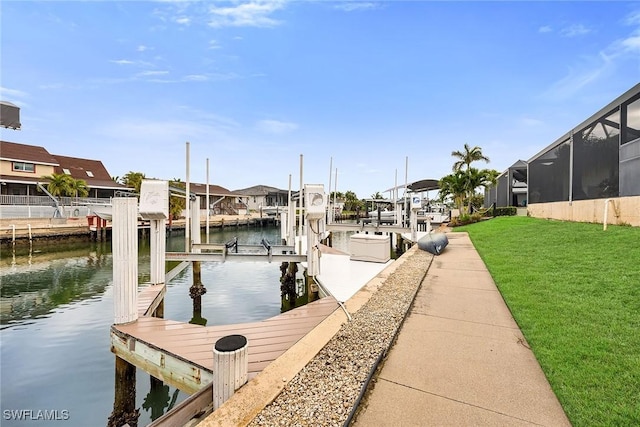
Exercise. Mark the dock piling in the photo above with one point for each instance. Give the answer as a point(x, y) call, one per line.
point(230, 367)
point(125, 259)
point(124, 403)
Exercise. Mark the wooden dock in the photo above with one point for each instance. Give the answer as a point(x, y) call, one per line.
point(181, 354)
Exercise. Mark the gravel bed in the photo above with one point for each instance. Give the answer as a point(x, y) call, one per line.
point(324, 392)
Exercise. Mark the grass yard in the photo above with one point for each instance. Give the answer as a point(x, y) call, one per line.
point(574, 290)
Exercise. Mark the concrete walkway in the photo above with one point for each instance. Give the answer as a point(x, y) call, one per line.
point(460, 358)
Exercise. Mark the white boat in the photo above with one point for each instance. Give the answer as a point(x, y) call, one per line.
point(383, 214)
point(437, 213)
point(104, 211)
point(273, 210)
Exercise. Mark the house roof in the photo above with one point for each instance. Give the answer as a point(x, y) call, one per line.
point(92, 172)
point(214, 190)
point(260, 190)
point(14, 152)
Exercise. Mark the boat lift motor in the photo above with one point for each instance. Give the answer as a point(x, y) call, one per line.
point(315, 201)
point(416, 205)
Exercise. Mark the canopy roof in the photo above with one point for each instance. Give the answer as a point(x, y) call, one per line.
point(424, 185)
point(417, 186)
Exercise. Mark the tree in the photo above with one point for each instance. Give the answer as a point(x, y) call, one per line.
point(377, 195)
point(351, 202)
point(478, 178)
point(462, 185)
point(455, 186)
point(59, 184)
point(337, 194)
point(133, 180)
point(78, 188)
point(176, 203)
point(472, 177)
point(468, 156)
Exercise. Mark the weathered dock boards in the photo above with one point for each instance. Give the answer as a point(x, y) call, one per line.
point(181, 354)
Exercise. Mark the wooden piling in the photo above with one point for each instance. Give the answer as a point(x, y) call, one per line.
point(124, 402)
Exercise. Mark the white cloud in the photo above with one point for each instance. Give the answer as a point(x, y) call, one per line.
point(633, 18)
point(5, 93)
point(213, 44)
point(142, 48)
point(631, 43)
point(255, 13)
point(196, 78)
point(575, 30)
point(122, 61)
point(360, 5)
point(276, 127)
point(545, 29)
point(152, 73)
point(183, 20)
point(599, 65)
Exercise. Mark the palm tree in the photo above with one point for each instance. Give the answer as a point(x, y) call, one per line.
point(134, 180)
point(454, 186)
point(176, 204)
point(59, 184)
point(468, 156)
point(478, 178)
point(351, 202)
point(78, 188)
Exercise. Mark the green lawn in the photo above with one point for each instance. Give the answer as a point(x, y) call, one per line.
point(574, 290)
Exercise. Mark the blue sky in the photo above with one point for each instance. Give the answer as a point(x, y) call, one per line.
point(252, 85)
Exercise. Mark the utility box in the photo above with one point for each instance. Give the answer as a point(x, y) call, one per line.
point(154, 199)
point(370, 247)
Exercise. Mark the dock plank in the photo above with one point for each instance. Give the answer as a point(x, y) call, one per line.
point(193, 344)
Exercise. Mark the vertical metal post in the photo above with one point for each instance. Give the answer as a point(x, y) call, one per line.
point(207, 201)
point(300, 207)
point(187, 216)
point(332, 208)
point(571, 168)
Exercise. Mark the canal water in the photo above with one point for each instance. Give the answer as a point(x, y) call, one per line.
point(56, 306)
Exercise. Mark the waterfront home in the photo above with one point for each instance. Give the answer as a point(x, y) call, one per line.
point(263, 197)
point(221, 200)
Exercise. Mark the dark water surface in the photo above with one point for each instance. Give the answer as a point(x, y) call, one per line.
point(57, 308)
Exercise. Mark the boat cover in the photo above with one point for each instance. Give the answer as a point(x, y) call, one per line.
point(433, 243)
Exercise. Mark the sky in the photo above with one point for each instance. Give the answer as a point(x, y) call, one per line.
point(375, 93)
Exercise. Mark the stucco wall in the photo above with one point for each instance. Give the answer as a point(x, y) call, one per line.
point(621, 210)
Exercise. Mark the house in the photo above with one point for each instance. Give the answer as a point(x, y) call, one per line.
point(221, 200)
point(589, 174)
point(262, 196)
point(22, 166)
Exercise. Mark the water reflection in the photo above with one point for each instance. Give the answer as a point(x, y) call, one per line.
point(34, 285)
point(159, 400)
point(57, 307)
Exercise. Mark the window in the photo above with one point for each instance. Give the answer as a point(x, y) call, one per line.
point(90, 174)
point(24, 167)
point(66, 171)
